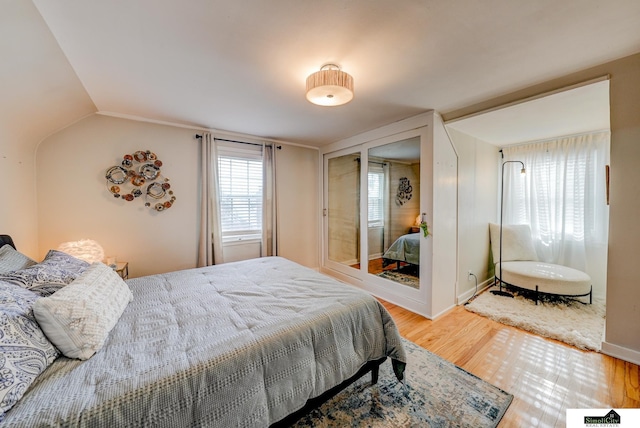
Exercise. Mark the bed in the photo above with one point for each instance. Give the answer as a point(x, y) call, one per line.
point(241, 344)
point(405, 249)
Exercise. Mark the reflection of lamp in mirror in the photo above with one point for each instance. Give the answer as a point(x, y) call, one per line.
point(523, 172)
point(85, 249)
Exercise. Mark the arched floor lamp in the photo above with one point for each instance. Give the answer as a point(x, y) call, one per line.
point(500, 292)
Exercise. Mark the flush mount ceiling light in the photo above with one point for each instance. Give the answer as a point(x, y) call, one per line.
point(330, 86)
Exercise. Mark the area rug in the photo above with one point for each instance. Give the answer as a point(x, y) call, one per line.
point(435, 393)
point(402, 278)
point(563, 319)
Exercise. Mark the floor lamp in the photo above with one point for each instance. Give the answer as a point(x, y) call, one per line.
point(522, 171)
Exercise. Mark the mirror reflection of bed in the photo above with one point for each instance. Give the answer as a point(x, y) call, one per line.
point(394, 205)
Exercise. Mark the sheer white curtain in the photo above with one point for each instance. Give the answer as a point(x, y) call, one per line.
point(269, 198)
point(563, 198)
point(210, 236)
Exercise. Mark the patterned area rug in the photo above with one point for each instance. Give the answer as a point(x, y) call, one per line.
point(563, 319)
point(436, 393)
point(402, 278)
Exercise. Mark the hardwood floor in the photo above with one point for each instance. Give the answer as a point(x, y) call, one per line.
point(545, 376)
point(376, 266)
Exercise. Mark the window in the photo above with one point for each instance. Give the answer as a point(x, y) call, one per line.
point(376, 196)
point(240, 181)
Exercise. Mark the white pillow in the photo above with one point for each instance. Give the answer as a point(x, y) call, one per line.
point(517, 243)
point(78, 317)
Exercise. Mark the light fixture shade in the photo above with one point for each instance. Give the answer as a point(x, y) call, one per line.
point(330, 86)
point(85, 249)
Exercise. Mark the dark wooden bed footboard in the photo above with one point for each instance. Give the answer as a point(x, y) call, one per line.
point(371, 366)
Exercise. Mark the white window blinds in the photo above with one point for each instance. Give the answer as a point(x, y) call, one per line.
point(376, 196)
point(240, 181)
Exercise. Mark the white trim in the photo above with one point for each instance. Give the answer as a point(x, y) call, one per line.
point(464, 297)
point(620, 352)
point(216, 132)
point(531, 98)
point(385, 131)
point(241, 239)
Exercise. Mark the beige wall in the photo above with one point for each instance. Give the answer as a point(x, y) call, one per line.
point(477, 206)
point(403, 216)
point(622, 337)
point(39, 94)
point(17, 194)
point(298, 206)
point(74, 203)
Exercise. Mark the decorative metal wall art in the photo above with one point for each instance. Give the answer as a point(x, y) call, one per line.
point(404, 191)
point(137, 175)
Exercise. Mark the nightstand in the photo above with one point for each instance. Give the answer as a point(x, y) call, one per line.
point(414, 229)
point(122, 269)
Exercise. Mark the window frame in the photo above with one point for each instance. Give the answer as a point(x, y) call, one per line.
point(378, 171)
point(248, 154)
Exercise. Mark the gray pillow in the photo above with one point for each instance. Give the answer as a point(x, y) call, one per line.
point(26, 351)
point(45, 278)
point(12, 260)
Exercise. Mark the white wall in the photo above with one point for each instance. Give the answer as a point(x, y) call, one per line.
point(74, 203)
point(478, 168)
point(298, 206)
point(39, 94)
point(445, 220)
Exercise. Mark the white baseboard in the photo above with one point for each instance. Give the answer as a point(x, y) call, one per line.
point(620, 352)
point(464, 297)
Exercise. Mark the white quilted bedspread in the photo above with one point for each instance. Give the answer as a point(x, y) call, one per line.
point(240, 344)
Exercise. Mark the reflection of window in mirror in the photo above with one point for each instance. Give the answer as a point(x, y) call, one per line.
point(376, 195)
point(394, 203)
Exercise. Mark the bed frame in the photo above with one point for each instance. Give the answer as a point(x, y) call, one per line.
point(314, 403)
point(6, 240)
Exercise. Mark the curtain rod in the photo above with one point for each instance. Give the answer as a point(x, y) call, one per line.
point(241, 142)
point(377, 163)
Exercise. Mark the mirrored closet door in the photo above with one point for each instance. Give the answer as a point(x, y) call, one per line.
point(382, 190)
point(373, 206)
point(393, 217)
point(342, 210)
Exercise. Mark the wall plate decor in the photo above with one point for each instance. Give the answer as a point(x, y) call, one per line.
point(404, 191)
point(140, 175)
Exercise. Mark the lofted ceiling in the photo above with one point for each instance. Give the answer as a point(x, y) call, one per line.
point(241, 65)
point(570, 112)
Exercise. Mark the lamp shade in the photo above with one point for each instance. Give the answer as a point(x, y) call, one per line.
point(330, 86)
point(85, 249)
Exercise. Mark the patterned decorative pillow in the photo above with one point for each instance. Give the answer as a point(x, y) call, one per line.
point(26, 351)
point(45, 278)
point(78, 318)
point(11, 260)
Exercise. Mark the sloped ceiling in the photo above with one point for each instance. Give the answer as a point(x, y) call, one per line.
point(241, 65)
point(574, 111)
point(39, 90)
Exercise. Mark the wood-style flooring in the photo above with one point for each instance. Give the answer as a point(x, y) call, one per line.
point(545, 376)
point(375, 267)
